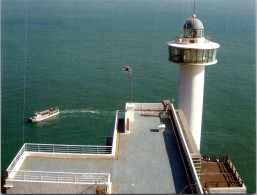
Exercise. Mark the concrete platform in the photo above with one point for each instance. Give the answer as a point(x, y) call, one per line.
point(148, 160)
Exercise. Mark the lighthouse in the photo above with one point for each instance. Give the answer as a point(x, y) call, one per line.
point(192, 51)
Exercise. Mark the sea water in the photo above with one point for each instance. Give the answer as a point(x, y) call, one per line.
point(70, 54)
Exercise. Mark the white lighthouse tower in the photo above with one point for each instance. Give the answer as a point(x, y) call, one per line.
point(192, 52)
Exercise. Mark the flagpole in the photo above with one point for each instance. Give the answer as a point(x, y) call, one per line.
point(131, 86)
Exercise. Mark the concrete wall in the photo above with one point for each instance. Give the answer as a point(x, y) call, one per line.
point(21, 187)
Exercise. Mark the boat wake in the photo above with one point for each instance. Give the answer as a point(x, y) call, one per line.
point(78, 111)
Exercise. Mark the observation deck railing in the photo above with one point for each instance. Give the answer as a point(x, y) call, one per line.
point(30, 149)
point(68, 149)
point(16, 159)
point(59, 149)
point(62, 177)
point(216, 184)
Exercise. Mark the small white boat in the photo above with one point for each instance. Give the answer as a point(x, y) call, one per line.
point(43, 115)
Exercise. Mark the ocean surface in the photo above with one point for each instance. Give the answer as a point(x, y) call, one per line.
point(70, 54)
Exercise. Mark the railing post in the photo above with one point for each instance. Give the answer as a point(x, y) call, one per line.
point(108, 181)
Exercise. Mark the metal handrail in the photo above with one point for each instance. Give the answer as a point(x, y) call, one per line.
point(62, 177)
point(232, 166)
point(68, 149)
point(218, 183)
point(215, 158)
point(66, 145)
point(16, 158)
point(58, 148)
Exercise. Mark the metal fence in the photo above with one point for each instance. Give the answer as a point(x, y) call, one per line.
point(215, 158)
point(16, 158)
point(217, 184)
point(233, 168)
point(54, 149)
point(68, 149)
point(63, 177)
point(59, 149)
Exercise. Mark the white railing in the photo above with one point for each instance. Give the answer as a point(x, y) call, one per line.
point(30, 149)
point(55, 149)
point(68, 149)
point(62, 177)
point(16, 158)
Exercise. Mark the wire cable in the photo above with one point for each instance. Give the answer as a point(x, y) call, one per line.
point(25, 66)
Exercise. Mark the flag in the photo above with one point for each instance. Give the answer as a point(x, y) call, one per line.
point(126, 69)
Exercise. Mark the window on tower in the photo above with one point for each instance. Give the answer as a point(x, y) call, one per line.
point(177, 54)
point(199, 56)
point(186, 56)
point(205, 56)
point(192, 55)
point(214, 55)
point(193, 33)
point(170, 53)
point(210, 55)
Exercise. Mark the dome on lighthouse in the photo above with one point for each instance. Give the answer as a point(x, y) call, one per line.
point(193, 28)
point(193, 23)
